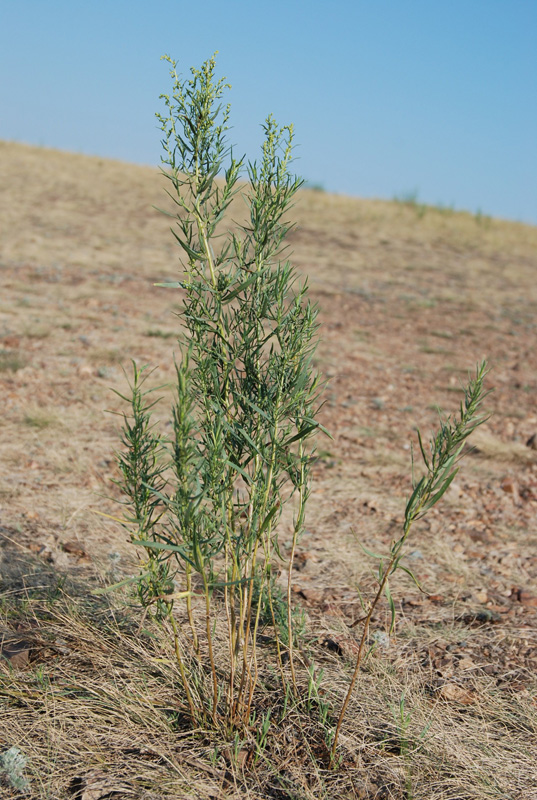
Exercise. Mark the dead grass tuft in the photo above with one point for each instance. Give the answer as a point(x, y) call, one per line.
point(40, 418)
point(487, 445)
point(11, 361)
point(98, 704)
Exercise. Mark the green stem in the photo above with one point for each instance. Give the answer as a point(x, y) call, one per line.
point(195, 642)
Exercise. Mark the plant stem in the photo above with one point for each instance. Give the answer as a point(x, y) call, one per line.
point(361, 647)
point(445, 449)
point(210, 645)
point(179, 658)
point(195, 642)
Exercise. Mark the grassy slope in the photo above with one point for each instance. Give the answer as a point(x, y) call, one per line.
point(410, 299)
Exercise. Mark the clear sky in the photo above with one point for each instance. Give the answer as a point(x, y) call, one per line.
point(388, 97)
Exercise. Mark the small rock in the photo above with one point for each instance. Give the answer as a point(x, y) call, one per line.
point(300, 562)
point(477, 535)
point(59, 559)
point(74, 548)
point(97, 785)
point(508, 485)
point(452, 693)
point(332, 644)
point(527, 598)
point(243, 757)
point(312, 596)
point(465, 663)
point(16, 652)
point(342, 645)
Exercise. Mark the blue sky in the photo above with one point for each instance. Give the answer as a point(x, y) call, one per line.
point(388, 97)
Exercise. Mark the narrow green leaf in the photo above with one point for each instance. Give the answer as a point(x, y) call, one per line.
point(166, 213)
point(245, 435)
point(238, 582)
point(172, 548)
point(436, 497)
point(125, 582)
point(227, 298)
point(414, 496)
point(268, 518)
point(370, 553)
point(324, 430)
point(302, 433)
point(411, 575)
point(423, 453)
point(389, 597)
point(255, 407)
point(240, 470)
point(194, 254)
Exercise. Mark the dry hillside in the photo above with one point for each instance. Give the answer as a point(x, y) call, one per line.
point(410, 298)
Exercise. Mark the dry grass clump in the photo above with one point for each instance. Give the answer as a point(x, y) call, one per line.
point(492, 447)
point(11, 361)
point(95, 701)
point(40, 418)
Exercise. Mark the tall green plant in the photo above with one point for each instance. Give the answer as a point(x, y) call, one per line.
point(205, 503)
point(246, 399)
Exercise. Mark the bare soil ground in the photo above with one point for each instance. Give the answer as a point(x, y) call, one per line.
point(410, 300)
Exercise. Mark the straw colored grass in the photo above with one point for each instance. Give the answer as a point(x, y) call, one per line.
point(99, 702)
